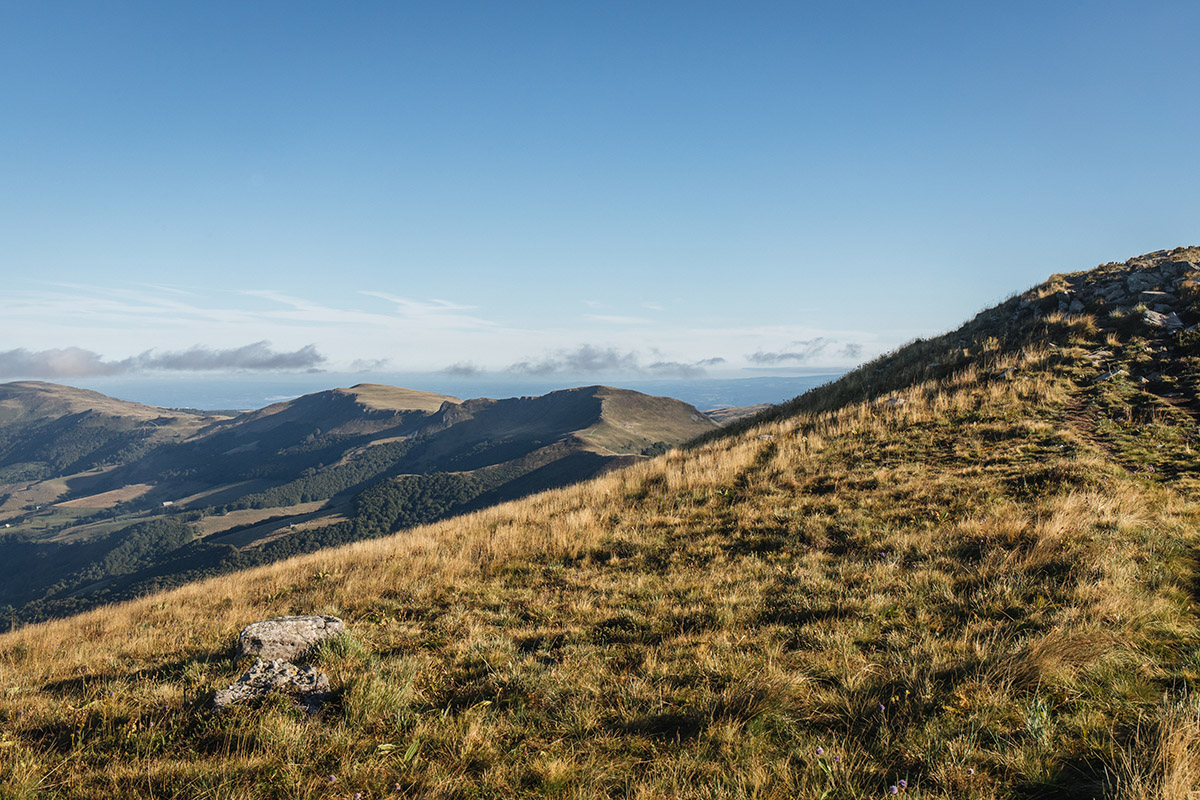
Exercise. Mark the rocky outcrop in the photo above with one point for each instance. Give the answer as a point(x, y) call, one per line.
point(307, 687)
point(1159, 291)
point(274, 644)
point(287, 638)
point(1152, 283)
point(1150, 305)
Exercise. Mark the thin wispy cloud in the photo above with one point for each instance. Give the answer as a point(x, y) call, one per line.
point(419, 307)
point(147, 304)
point(431, 311)
point(618, 320)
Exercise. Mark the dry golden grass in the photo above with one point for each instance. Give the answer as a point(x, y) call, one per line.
point(964, 591)
point(209, 526)
point(395, 398)
point(109, 499)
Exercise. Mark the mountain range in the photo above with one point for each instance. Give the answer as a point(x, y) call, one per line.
point(104, 499)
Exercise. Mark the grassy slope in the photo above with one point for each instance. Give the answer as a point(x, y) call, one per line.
point(25, 400)
point(982, 591)
point(630, 422)
point(395, 398)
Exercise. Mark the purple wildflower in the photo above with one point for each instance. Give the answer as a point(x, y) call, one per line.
point(894, 789)
point(820, 751)
point(903, 784)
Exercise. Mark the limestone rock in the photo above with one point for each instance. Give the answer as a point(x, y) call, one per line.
point(306, 686)
point(286, 637)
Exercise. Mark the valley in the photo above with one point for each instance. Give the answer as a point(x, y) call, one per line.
point(83, 472)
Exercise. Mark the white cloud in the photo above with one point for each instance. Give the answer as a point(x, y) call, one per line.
point(618, 320)
point(75, 362)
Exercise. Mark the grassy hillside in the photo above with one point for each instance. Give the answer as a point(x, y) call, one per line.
point(967, 570)
point(50, 431)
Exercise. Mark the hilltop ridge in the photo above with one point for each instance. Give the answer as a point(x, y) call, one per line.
point(1108, 296)
point(967, 569)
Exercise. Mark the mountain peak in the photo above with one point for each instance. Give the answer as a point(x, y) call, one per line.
point(381, 397)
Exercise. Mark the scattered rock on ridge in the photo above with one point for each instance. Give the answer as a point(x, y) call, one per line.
point(1163, 288)
point(1157, 320)
point(306, 686)
point(1109, 375)
point(286, 637)
point(1158, 298)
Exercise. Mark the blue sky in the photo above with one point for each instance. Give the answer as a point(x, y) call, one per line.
point(574, 189)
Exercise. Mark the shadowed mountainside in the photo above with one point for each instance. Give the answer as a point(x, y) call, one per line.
point(105, 500)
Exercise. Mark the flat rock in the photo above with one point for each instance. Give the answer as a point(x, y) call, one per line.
point(1113, 292)
point(286, 637)
point(1157, 320)
point(1158, 298)
point(307, 687)
point(1108, 376)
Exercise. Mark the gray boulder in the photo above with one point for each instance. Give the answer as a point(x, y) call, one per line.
point(1142, 281)
point(286, 637)
point(1158, 298)
point(307, 687)
point(1108, 376)
point(1156, 320)
point(1113, 293)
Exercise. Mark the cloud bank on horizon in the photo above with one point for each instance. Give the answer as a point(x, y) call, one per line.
point(76, 362)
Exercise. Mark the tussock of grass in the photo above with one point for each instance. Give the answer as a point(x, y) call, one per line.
point(971, 591)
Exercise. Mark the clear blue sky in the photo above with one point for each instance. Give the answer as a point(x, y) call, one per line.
point(568, 188)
